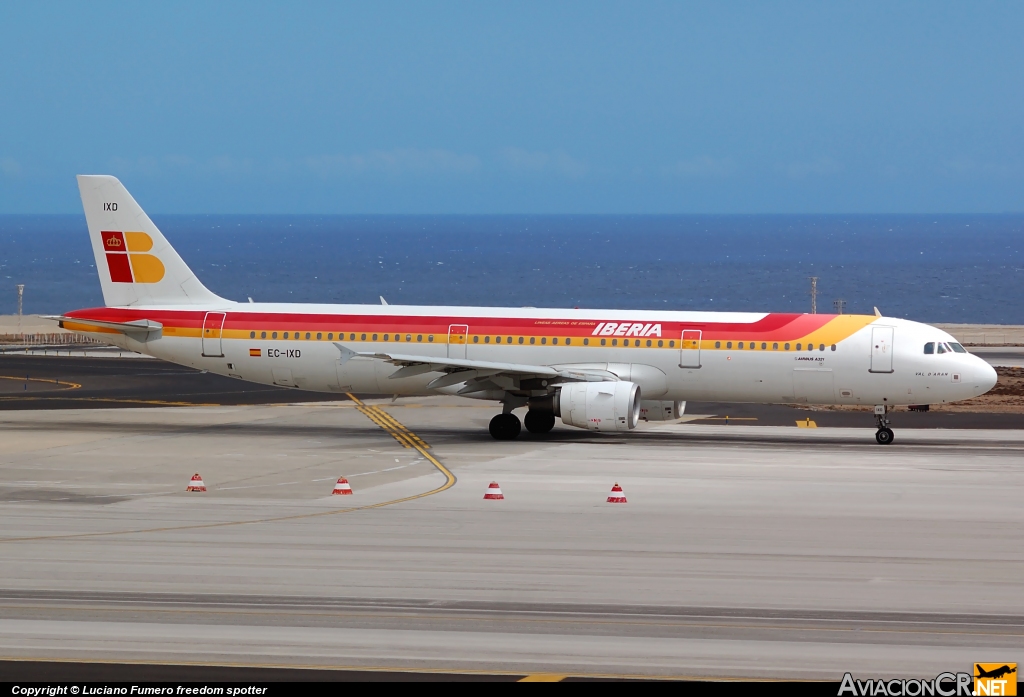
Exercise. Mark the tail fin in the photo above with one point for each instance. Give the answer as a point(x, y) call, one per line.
point(136, 264)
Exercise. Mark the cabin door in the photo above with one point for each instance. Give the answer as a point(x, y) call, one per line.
point(213, 327)
point(881, 349)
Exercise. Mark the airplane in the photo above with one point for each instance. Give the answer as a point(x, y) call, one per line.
point(601, 370)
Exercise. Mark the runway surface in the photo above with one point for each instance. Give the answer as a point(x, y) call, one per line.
point(747, 551)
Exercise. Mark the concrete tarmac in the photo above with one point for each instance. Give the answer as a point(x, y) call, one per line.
point(748, 551)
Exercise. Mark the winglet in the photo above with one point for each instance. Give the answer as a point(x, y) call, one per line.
point(877, 313)
point(383, 301)
point(347, 354)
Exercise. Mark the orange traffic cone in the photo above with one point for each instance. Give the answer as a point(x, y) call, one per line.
point(342, 488)
point(494, 492)
point(196, 483)
point(617, 495)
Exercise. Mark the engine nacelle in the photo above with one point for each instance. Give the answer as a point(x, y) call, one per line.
point(600, 406)
point(661, 411)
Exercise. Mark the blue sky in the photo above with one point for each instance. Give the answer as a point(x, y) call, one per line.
point(475, 107)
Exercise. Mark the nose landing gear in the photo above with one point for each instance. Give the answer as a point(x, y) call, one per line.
point(884, 435)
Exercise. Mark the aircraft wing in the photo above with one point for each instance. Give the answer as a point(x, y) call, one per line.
point(138, 326)
point(478, 375)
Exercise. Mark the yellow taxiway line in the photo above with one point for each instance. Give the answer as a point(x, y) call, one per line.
point(389, 424)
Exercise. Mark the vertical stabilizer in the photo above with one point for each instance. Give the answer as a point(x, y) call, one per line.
point(136, 264)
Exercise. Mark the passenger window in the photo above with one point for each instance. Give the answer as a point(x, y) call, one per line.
point(718, 344)
point(741, 344)
point(487, 339)
point(263, 335)
point(775, 347)
point(672, 344)
point(319, 336)
point(419, 337)
point(615, 342)
point(568, 341)
point(497, 339)
point(508, 340)
point(362, 337)
point(286, 335)
point(330, 336)
point(252, 335)
point(408, 337)
point(787, 347)
point(957, 347)
point(660, 343)
point(586, 342)
point(603, 342)
point(430, 338)
point(544, 340)
point(374, 337)
point(476, 340)
point(821, 347)
point(307, 335)
point(274, 335)
point(553, 341)
point(833, 347)
point(533, 340)
point(799, 347)
point(520, 340)
point(728, 344)
point(385, 337)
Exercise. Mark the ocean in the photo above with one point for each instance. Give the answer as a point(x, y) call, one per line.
point(947, 268)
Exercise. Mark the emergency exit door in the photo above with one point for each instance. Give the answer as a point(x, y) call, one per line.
point(457, 334)
point(689, 349)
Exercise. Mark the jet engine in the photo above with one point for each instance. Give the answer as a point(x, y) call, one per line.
point(600, 406)
point(661, 411)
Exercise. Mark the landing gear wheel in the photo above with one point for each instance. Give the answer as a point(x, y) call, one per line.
point(505, 427)
point(884, 436)
point(539, 421)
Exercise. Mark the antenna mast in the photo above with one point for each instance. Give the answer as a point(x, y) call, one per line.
point(21, 294)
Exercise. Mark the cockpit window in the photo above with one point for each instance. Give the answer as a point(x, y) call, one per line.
point(957, 347)
point(941, 348)
point(929, 348)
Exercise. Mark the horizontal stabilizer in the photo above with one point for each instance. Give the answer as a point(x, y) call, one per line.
point(138, 326)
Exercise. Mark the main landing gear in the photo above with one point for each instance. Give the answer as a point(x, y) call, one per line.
point(505, 427)
point(538, 421)
point(884, 434)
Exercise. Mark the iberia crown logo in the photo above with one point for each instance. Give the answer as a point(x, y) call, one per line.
point(125, 260)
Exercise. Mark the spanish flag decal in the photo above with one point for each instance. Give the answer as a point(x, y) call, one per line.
point(255, 352)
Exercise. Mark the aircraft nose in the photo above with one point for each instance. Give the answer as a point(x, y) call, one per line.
point(985, 375)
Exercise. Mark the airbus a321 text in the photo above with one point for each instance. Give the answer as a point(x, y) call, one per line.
point(601, 370)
